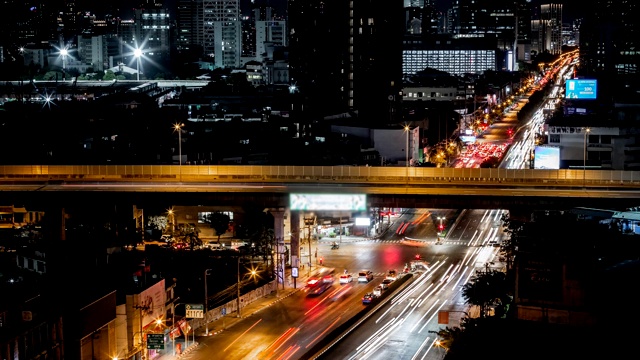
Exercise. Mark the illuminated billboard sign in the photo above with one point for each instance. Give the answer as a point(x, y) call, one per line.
point(351, 202)
point(547, 157)
point(581, 89)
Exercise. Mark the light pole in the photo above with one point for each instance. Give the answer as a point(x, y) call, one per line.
point(178, 127)
point(406, 149)
point(137, 53)
point(206, 301)
point(584, 156)
point(64, 52)
point(238, 288)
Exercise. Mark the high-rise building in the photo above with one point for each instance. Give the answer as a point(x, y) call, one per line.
point(346, 56)
point(222, 32)
point(188, 24)
point(152, 32)
point(551, 29)
point(489, 19)
point(609, 39)
point(523, 31)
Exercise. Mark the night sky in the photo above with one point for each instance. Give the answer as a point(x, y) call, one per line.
point(124, 8)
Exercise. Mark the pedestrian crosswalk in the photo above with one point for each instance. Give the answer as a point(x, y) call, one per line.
point(402, 241)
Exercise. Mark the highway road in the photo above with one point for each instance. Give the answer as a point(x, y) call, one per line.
point(291, 327)
point(404, 327)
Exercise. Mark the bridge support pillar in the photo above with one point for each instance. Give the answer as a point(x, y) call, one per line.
point(294, 221)
point(54, 222)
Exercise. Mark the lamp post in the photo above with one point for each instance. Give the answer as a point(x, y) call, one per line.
point(64, 52)
point(406, 149)
point(238, 288)
point(137, 53)
point(584, 156)
point(206, 301)
point(178, 127)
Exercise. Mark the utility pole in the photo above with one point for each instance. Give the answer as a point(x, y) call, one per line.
point(142, 342)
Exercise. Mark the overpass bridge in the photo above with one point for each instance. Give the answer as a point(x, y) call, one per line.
point(270, 185)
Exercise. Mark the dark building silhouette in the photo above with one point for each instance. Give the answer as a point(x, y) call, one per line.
point(346, 56)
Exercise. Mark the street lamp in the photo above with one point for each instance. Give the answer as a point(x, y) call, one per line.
point(238, 288)
point(178, 127)
point(253, 273)
point(406, 149)
point(137, 53)
point(206, 301)
point(64, 53)
point(584, 157)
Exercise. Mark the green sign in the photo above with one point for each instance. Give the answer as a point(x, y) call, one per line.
point(155, 341)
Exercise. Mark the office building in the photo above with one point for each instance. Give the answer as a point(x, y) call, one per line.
point(346, 56)
point(550, 31)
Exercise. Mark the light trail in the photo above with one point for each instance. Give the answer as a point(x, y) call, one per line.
point(241, 335)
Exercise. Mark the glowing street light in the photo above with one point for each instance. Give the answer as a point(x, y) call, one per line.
point(64, 53)
point(178, 127)
point(206, 301)
point(137, 53)
point(584, 157)
point(406, 149)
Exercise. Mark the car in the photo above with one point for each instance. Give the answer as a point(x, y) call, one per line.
point(365, 276)
point(392, 275)
point(368, 298)
point(346, 278)
point(377, 291)
point(386, 283)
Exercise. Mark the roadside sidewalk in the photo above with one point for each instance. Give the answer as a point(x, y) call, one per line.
point(218, 326)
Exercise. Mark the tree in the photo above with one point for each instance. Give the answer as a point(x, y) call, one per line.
point(487, 289)
point(219, 221)
point(190, 235)
point(109, 75)
point(157, 222)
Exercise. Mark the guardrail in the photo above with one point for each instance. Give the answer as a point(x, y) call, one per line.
point(314, 174)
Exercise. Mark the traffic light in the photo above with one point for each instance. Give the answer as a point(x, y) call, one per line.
point(440, 227)
point(417, 256)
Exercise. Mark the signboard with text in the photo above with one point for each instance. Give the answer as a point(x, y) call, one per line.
point(194, 311)
point(581, 89)
point(155, 341)
point(352, 202)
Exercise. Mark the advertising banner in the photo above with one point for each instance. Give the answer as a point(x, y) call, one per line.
point(184, 326)
point(152, 303)
point(175, 332)
point(581, 89)
point(547, 157)
point(352, 202)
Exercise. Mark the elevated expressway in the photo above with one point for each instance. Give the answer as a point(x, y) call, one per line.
point(385, 186)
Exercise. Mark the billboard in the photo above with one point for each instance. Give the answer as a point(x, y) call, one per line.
point(351, 202)
point(547, 157)
point(581, 89)
point(152, 302)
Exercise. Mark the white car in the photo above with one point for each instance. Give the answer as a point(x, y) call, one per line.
point(346, 278)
